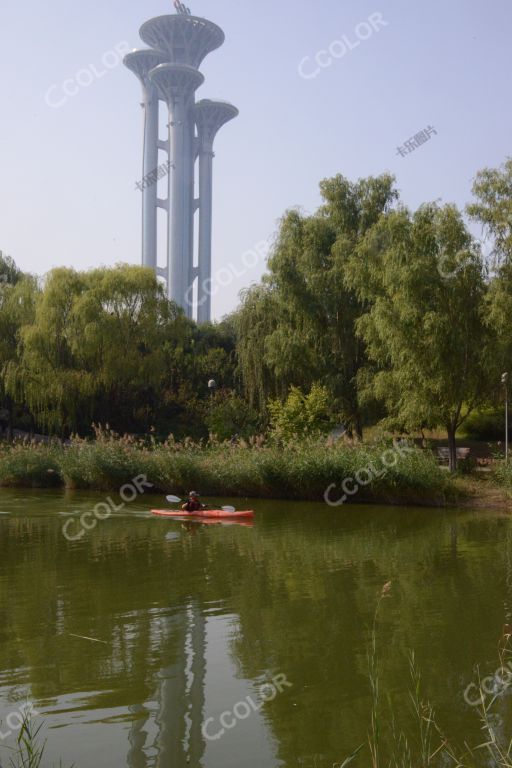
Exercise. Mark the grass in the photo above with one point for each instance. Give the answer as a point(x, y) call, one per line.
point(258, 468)
point(425, 745)
point(502, 475)
point(29, 750)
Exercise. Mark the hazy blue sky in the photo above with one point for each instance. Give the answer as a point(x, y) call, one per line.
point(67, 192)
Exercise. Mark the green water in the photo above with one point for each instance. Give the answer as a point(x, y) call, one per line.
point(193, 620)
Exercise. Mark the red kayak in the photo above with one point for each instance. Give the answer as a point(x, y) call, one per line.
point(219, 522)
point(207, 513)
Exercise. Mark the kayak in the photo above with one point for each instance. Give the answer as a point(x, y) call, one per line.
point(206, 513)
point(240, 522)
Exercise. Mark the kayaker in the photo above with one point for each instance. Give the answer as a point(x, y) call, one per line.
point(193, 504)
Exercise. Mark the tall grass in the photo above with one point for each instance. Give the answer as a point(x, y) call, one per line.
point(258, 468)
point(30, 465)
point(502, 474)
point(425, 745)
point(29, 750)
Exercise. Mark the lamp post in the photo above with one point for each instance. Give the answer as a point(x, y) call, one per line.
point(504, 381)
point(212, 386)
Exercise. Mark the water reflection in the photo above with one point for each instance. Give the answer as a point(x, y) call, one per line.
point(181, 692)
point(192, 619)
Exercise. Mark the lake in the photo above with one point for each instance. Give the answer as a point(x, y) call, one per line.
point(149, 642)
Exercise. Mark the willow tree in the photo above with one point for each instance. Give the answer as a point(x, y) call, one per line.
point(425, 327)
point(10, 273)
point(44, 377)
point(492, 208)
point(125, 322)
point(96, 348)
point(17, 302)
point(256, 319)
point(298, 327)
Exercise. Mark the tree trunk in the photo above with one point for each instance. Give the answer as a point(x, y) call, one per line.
point(452, 444)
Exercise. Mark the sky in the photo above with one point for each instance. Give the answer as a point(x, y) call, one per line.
point(68, 164)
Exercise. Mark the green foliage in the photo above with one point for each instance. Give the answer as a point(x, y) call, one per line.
point(493, 207)
point(30, 747)
point(229, 415)
point(302, 469)
point(487, 423)
point(17, 305)
point(301, 415)
point(378, 312)
point(427, 743)
point(9, 273)
point(502, 474)
point(424, 329)
point(96, 338)
point(298, 327)
point(255, 321)
point(30, 465)
point(107, 346)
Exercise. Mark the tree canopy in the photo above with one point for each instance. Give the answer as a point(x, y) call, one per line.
point(369, 312)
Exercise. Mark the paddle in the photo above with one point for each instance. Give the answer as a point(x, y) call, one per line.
point(176, 500)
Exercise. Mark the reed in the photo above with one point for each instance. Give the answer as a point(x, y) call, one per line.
point(29, 750)
point(424, 744)
point(259, 468)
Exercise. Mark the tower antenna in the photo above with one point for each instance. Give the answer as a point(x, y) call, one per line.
point(181, 8)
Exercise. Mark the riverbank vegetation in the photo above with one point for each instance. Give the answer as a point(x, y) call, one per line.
point(428, 744)
point(260, 469)
point(369, 314)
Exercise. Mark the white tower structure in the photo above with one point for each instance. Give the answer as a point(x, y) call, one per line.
point(169, 73)
point(140, 63)
point(210, 116)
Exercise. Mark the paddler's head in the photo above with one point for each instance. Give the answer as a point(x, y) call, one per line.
point(193, 495)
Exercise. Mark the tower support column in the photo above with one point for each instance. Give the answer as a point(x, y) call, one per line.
point(177, 224)
point(150, 191)
point(210, 117)
point(176, 83)
point(141, 63)
point(204, 291)
point(189, 204)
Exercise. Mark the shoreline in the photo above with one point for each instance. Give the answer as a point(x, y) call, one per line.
point(305, 471)
point(472, 495)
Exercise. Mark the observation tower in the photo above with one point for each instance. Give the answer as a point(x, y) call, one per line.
point(169, 74)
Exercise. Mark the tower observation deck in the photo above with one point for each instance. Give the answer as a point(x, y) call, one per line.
point(168, 71)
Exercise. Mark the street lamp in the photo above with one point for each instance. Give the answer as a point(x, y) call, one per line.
point(504, 381)
point(212, 386)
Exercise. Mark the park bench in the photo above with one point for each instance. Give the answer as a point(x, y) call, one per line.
point(444, 454)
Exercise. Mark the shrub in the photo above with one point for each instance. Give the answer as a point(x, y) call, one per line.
point(502, 474)
point(301, 415)
point(485, 424)
point(30, 465)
